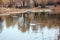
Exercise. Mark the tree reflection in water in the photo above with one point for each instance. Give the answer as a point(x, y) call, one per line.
point(35, 21)
point(1, 26)
point(42, 19)
point(23, 24)
point(9, 21)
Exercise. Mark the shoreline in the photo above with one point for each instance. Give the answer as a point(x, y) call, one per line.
point(8, 11)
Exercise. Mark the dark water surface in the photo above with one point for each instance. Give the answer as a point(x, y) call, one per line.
point(29, 27)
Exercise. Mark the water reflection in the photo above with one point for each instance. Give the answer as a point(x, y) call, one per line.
point(23, 23)
point(46, 26)
point(1, 26)
point(9, 21)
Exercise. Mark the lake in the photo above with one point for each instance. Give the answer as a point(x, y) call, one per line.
point(30, 27)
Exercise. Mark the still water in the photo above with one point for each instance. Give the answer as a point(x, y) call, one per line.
point(29, 27)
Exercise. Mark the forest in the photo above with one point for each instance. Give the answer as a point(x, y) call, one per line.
point(27, 3)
